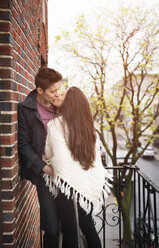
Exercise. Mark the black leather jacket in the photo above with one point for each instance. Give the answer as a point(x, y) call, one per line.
point(31, 139)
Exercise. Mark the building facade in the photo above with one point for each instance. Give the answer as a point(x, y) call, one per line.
point(23, 49)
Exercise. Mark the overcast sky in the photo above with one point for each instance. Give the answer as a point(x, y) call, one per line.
point(62, 12)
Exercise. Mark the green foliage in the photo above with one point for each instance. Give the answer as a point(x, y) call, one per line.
point(57, 38)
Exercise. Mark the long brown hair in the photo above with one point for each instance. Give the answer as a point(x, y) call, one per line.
point(82, 137)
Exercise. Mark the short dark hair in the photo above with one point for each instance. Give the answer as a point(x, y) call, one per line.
point(45, 77)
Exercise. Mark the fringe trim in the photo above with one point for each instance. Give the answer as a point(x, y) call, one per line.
point(55, 183)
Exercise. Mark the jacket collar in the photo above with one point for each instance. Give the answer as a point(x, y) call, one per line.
point(30, 100)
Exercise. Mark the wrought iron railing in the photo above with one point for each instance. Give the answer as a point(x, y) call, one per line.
point(144, 211)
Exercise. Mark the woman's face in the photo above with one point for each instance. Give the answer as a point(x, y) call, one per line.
point(60, 99)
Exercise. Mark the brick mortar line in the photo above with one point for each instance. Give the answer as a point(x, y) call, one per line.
point(7, 145)
point(23, 191)
point(5, 9)
point(12, 80)
point(10, 101)
point(8, 123)
point(8, 244)
point(28, 219)
point(32, 43)
point(20, 93)
point(27, 57)
point(9, 179)
point(24, 69)
point(6, 44)
point(23, 209)
point(8, 211)
point(8, 134)
point(11, 91)
point(8, 90)
point(9, 157)
point(7, 101)
point(5, 21)
point(4, 200)
point(9, 233)
point(6, 56)
point(6, 67)
point(9, 168)
point(9, 222)
point(5, 32)
point(36, 55)
point(33, 226)
point(7, 112)
point(12, 69)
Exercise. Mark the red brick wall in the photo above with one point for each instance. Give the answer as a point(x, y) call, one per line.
point(23, 45)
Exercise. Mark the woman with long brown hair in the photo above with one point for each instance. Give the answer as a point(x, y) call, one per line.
point(72, 150)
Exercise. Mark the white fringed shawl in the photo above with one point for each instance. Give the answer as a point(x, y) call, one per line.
point(88, 185)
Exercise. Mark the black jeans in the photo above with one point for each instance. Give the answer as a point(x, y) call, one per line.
point(49, 219)
point(68, 224)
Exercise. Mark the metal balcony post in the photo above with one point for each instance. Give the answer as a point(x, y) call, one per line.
point(77, 221)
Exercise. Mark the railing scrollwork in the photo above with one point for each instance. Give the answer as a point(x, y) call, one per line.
point(145, 216)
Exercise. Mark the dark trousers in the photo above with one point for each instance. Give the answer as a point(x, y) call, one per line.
point(68, 224)
point(49, 220)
